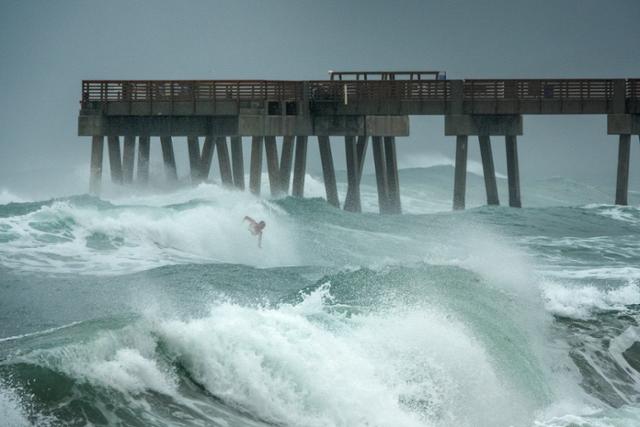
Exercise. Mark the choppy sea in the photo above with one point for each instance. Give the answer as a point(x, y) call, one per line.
point(159, 309)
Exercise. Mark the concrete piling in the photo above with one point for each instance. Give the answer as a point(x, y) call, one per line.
point(115, 159)
point(460, 173)
point(237, 162)
point(622, 181)
point(193, 146)
point(169, 158)
point(128, 158)
point(273, 169)
point(362, 143)
point(144, 148)
point(353, 192)
point(488, 170)
point(352, 200)
point(286, 158)
point(393, 182)
point(255, 173)
point(95, 176)
point(223, 161)
point(300, 167)
point(513, 171)
point(328, 171)
point(206, 157)
point(381, 172)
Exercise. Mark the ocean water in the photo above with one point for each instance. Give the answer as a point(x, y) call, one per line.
point(159, 309)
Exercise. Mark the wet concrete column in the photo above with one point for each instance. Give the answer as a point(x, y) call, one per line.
point(352, 200)
point(169, 158)
point(115, 159)
point(206, 157)
point(286, 158)
point(328, 171)
point(300, 167)
point(460, 174)
point(488, 170)
point(362, 143)
point(255, 173)
point(194, 158)
point(393, 182)
point(223, 161)
point(622, 182)
point(271, 150)
point(513, 171)
point(381, 173)
point(237, 162)
point(128, 158)
point(144, 148)
point(95, 175)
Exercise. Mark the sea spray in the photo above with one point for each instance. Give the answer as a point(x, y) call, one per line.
point(159, 309)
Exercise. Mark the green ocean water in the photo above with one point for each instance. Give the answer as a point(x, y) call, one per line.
point(160, 309)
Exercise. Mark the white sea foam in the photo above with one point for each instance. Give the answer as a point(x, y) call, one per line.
point(37, 333)
point(627, 416)
point(135, 238)
point(602, 273)
point(11, 412)
point(8, 197)
point(305, 364)
point(620, 213)
point(124, 361)
point(581, 302)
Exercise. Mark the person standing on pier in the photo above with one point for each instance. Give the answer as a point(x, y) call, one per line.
point(256, 228)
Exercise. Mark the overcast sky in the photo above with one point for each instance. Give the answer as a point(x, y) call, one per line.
point(48, 47)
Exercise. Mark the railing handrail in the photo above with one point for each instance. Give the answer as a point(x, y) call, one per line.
point(335, 90)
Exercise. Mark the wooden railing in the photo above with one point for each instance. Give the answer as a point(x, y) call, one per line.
point(189, 90)
point(353, 91)
point(323, 90)
point(569, 89)
point(633, 89)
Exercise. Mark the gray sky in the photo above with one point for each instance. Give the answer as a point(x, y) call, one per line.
point(48, 47)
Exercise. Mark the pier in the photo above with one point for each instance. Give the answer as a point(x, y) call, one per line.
point(362, 108)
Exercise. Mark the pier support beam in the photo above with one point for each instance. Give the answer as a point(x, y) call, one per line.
point(513, 171)
point(353, 192)
point(286, 158)
point(328, 172)
point(95, 177)
point(381, 173)
point(271, 150)
point(237, 162)
point(352, 200)
point(393, 182)
point(460, 173)
point(488, 170)
point(300, 167)
point(144, 148)
point(363, 142)
point(622, 182)
point(115, 159)
point(128, 158)
point(169, 158)
point(223, 161)
point(255, 174)
point(206, 157)
point(194, 159)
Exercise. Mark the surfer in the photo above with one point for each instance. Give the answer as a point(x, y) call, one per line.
point(256, 228)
